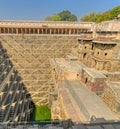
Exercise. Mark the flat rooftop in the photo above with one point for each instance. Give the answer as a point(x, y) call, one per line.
point(94, 73)
point(66, 65)
point(104, 42)
point(90, 105)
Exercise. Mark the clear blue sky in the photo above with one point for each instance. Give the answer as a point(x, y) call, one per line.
point(39, 9)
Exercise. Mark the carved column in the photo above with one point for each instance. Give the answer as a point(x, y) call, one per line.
point(16, 30)
point(4, 30)
point(50, 31)
point(38, 31)
point(42, 30)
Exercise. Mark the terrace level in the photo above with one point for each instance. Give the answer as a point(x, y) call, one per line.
point(44, 27)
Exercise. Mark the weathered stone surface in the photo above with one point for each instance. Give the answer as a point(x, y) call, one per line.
point(15, 100)
point(101, 56)
point(31, 45)
point(112, 96)
point(30, 56)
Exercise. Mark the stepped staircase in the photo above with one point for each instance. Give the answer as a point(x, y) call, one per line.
point(11, 89)
point(30, 56)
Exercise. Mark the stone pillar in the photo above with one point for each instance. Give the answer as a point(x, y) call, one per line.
point(25, 31)
point(73, 31)
point(3, 30)
point(47, 32)
point(54, 31)
point(21, 30)
point(118, 35)
point(77, 31)
point(65, 31)
point(12, 30)
point(58, 31)
point(8, 30)
point(38, 31)
point(50, 31)
point(16, 30)
point(42, 30)
point(33, 30)
point(62, 31)
point(69, 31)
point(28, 30)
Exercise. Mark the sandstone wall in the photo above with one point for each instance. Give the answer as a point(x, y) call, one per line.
point(30, 56)
point(15, 101)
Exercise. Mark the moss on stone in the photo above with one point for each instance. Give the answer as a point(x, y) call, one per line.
point(42, 113)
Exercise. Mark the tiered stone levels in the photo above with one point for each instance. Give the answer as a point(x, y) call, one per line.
point(30, 56)
point(75, 100)
point(45, 27)
point(112, 96)
point(15, 101)
point(103, 54)
point(99, 74)
point(31, 47)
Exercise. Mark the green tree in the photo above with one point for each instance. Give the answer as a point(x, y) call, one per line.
point(92, 17)
point(103, 17)
point(114, 13)
point(67, 16)
point(73, 18)
point(54, 17)
point(97, 17)
point(109, 15)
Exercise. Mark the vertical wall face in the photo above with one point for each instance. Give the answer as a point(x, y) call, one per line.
point(106, 56)
point(101, 55)
point(30, 56)
point(102, 52)
point(15, 100)
point(84, 50)
point(45, 27)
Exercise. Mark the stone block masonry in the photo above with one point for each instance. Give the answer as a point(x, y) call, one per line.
point(30, 56)
point(112, 96)
point(31, 45)
point(96, 70)
point(15, 100)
